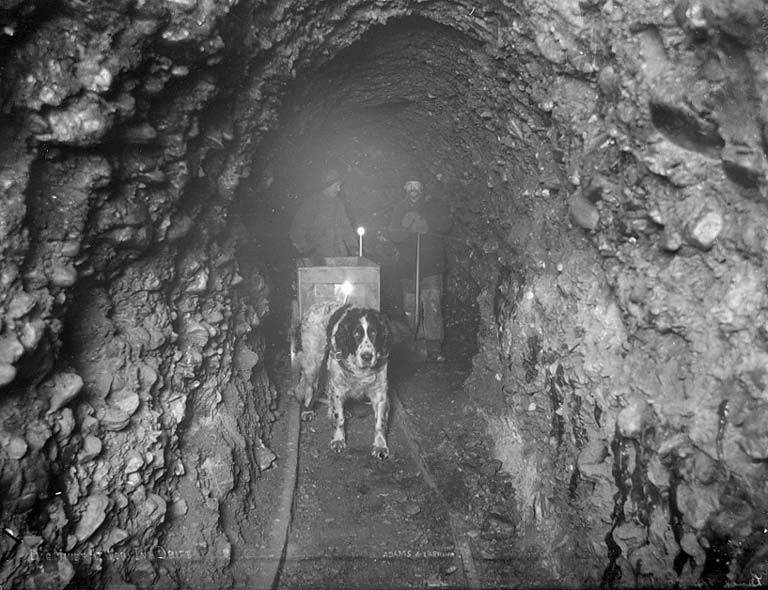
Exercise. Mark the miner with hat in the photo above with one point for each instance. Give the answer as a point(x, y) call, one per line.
point(321, 227)
point(424, 220)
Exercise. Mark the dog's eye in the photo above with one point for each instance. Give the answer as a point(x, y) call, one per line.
point(372, 333)
point(358, 332)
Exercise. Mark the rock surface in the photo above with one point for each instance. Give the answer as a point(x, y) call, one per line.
point(605, 169)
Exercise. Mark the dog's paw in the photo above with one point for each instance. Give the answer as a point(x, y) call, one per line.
point(307, 415)
point(338, 446)
point(380, 452)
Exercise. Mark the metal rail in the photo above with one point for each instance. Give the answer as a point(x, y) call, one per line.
point(269, 576)
point(460, 541)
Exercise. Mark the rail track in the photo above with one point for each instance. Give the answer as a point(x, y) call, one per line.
point(349, 520)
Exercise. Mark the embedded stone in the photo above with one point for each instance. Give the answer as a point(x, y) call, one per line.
point(32, 540)
point(703, 232)
point(65, 424)
point(632, 420)
point(134, 462)
point(37, 434)
point(265, 457)
point(115, 536)
point(115, 419)
point(198, 334)
point(411, 508)
point(70, 248)
point(756, 448)
point(697, 503)
point(31, 334)
point(705, 468)
point(126, 400)
point(7, 374)
point(754, 437)
point(147, 376)
point(497, 526)
point(21, 304)
point(10, 349)
point(654, 214)
point(491, 468)
point(93, 517)
point(91, 448)
point(121, 500)
point(219, 472)
point(179, 507)
point(153, 510)
point(583, 213)
point(671, 241)
point(142, 133)
point(691, 546)
point(84, 122)
point(199, 283)
point(16, 448)
point(64, 275)
point(609, 82)
point(71, 542)
point(179, 228)
point(63, 388)
point(658, 474)
point(88, 423)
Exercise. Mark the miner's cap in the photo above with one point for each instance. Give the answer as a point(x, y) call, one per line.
point(330, 177)
point(413, 185)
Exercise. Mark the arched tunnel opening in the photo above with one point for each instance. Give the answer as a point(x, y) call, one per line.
point(383, 109)
point(599, 416)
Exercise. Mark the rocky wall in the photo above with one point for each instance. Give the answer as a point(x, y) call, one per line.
point(629, 350)
point(130, 354)
point(632, 340)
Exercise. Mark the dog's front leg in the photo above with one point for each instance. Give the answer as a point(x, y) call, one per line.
point(336, 410)
point(381, 413)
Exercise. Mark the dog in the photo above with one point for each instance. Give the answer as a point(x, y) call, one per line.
point(351, 345)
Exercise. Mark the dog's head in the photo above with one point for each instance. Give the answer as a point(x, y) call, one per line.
point(361, 337)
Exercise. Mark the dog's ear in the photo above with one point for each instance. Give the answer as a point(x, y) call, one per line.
point(384, 338)
point(334, 321)
point(340, 331)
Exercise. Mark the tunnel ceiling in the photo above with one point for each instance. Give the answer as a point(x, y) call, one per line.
point(415, 85)
point(409, 97)
point(605, 161)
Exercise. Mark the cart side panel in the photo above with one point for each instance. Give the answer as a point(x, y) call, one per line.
point(322, 283)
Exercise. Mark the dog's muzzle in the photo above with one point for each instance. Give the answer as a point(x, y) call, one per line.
point(366, 358)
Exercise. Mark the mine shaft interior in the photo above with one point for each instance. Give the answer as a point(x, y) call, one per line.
point(594, 412)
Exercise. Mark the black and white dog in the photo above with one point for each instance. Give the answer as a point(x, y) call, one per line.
point(353, 345)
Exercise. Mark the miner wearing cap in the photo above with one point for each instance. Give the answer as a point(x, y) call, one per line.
point(418, 214)
point(321, 227)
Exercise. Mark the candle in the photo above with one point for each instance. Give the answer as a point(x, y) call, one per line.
point(360, 233)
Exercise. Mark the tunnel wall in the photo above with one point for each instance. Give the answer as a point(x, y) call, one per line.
point(629, 352)
point(624, 311)
point(134, 398)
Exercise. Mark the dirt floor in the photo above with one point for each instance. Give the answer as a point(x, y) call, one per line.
point(363, 523)
point(452, 438)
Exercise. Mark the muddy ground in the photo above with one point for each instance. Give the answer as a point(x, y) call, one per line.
point(363, 523)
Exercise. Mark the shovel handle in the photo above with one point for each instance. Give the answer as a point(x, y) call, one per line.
point(417, 304)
